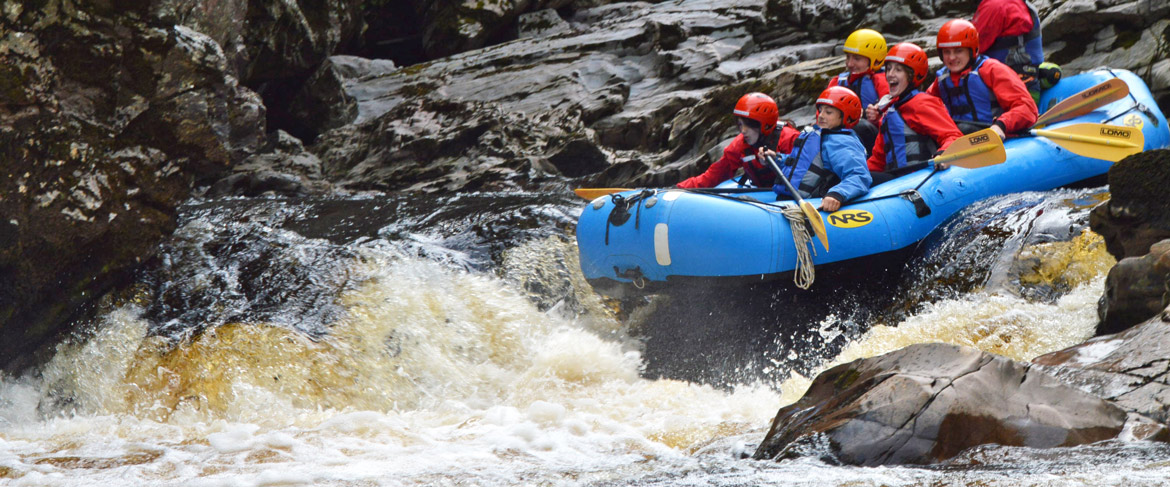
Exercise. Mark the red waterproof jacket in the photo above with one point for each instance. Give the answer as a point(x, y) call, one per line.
point(926, 115)
point(1019, 109)
point(737, 155)
point(1000, 18)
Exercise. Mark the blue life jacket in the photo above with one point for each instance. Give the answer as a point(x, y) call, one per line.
point(903, 145)
point(804, 166)
point(1022, 53)
point(972, 99)
point(863, 88)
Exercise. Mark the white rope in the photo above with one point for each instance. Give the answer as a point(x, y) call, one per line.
point(804, 273)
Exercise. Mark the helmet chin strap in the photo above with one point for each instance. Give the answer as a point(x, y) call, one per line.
point(763, 140)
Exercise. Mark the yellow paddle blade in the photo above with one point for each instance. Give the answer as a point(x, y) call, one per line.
point(592, 193)
point(1099, 141)
point(974, 150)
point(816, 221)
point(1084, 102)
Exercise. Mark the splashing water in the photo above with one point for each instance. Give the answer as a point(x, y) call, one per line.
point(440, 375)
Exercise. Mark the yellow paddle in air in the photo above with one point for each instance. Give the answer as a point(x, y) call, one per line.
point(1084, 102)
point(1097, 140)
point(974, 150)
point(978, 149)
point(1110, 144)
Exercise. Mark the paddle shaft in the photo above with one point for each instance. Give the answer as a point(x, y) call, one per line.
point(815, 220)
point(780, 174)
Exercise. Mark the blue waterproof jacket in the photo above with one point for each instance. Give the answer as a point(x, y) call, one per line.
point(826, 158)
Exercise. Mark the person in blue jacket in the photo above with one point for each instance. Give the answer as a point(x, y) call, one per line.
point(827, 159)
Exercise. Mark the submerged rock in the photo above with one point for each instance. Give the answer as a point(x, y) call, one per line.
point(929, 402)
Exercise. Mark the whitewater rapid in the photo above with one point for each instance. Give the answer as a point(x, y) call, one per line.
point(438, 375)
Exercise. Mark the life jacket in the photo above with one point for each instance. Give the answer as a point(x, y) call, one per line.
point(1023, 53)
point(804, 163)
point(972, 100)
point(755, 170)
point(903, 145)
point(863, 87)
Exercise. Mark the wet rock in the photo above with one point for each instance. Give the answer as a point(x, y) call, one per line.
point(283, 167)
point(1130, 369)
point(320, 105)
point(266, 41)
point(106, 122)
point(353, 67)
point(1083, 34)
point(1136, 289)
point(272, 47)
point(649, 86)
point(436, 29)
point(1138, 213)
point(232, 262)
point(929, 402)
point(542, 23)
point(579, 158)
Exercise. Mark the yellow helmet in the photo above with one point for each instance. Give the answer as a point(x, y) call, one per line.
point(868, 43)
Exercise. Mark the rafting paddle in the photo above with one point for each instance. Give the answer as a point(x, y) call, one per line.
point(1096, 140)
point(592, 193)
point(974, 150)
point(815, 220)
point(1084, 102)
point(1077, 141)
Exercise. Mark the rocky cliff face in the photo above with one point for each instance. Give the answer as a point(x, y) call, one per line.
point(107, 120)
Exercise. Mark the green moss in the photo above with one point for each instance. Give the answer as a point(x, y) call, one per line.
point(411, 70)
point(810, 87)
point(846, 379)
point(1126, 38)
point(418, 89)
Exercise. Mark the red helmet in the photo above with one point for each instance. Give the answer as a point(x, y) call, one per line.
point(843, 99)
point(958, 33)
point(912, 57)
point(759, 107)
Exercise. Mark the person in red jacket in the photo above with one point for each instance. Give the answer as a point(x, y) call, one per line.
point(865, 50)
point(756, 115)
point(979, 91)
point(916, 125)
point(1009, 30)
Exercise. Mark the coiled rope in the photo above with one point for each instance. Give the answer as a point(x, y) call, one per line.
point(804, 273)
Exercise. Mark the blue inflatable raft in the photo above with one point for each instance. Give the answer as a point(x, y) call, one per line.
point(651, 237)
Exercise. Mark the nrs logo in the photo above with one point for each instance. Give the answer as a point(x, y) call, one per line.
point(1115, 132)
point(850, 218)
point(979, 139)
